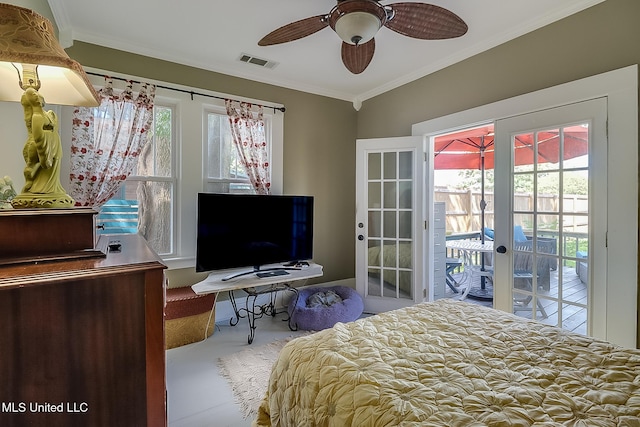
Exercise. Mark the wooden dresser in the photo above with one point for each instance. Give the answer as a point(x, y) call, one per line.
point(82, 340)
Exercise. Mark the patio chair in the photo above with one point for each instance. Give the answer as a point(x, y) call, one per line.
point(524, 261)
point(544, 264)
point(522, 280)
point(452, 264)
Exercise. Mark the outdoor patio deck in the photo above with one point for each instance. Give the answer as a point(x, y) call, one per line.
point(574, 317)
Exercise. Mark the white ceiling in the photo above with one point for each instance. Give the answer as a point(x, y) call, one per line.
point(212, 35)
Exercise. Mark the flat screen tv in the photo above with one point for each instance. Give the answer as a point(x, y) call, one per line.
point(242, 230)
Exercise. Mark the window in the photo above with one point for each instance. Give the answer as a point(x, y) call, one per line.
point(224, 173)
point(152, 184)
point(176, 166)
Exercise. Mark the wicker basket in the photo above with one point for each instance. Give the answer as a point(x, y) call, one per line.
point(189, 317)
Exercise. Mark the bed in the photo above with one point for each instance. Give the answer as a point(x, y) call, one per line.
point(451, 363)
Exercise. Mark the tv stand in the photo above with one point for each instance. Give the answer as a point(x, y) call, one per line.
point(263, 274)
point(254, 286)
point(258, 270)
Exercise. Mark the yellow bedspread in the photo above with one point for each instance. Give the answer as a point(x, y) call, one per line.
point(451, 363)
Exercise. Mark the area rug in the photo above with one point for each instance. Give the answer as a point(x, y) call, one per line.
point(248, 371)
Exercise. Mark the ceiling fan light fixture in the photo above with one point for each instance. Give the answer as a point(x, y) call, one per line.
point(357, 21)
point(357, 27)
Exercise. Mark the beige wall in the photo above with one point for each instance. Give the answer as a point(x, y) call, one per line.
point(602, 38)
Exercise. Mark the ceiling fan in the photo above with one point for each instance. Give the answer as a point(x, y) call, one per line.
point(358, 21)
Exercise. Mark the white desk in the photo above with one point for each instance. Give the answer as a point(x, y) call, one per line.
point(468, 247)
point(254, 286)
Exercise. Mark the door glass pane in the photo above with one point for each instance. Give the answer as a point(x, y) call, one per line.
point(575, 187)
point(548, 191)
point(375, 224)
point(374, 283)
point(389, 229)
point(522, 301)
point(389, 258)
point(405, 200)
point(405, 224)
point(390, 195)
point(547, 225)
point(548, 144)
point(390, 165)
point(405, 287)
point(389, 277)
point(523, 220)
point(550, 314)
point(405, 161)
point(576, 241)
point(523, 152)
point(374, 166)
point(523, 185)
point(374, 270)
point(375, 248)
point(374, 195)
point(550, 202)
point(574, 317)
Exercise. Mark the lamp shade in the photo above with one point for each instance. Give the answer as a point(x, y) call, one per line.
point(28, 38)
point(357, 21)
point(357, 27)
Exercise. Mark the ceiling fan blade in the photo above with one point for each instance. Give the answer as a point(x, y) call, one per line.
point(425, 21)
point(357, 57)
point(295, 30)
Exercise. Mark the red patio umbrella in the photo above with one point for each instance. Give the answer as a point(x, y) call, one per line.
point(465, 149)
point(474, 149)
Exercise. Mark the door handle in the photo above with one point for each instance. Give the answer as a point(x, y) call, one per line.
point(501, 249)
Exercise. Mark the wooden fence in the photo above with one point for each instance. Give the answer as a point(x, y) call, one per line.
point(463, 211)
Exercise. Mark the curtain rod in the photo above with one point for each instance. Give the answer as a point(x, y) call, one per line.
point(190, 92)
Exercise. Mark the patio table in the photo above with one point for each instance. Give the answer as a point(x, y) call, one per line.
point(467, 248)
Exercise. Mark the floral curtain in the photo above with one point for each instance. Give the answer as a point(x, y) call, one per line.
point(106, 142)
point(249, 138)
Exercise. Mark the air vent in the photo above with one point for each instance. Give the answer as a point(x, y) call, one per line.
point(257, 61)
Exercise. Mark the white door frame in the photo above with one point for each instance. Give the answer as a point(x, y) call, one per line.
point(620, 87)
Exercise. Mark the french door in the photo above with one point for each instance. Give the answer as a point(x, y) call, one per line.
point(557, 193)
point(390, 227)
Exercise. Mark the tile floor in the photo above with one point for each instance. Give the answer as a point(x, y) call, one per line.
point(197, 396)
